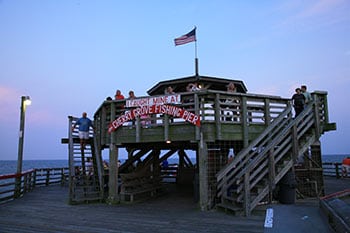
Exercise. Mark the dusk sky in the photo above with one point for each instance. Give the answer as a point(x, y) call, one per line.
point(69, 55)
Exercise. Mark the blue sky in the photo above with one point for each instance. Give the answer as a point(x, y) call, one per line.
point(68, 56)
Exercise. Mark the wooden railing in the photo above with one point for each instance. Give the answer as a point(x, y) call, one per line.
point(332, 169)
point(10, 189)
point(269, 157)
point(213, 107)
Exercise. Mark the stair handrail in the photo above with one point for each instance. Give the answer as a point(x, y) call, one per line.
point(285, 131)
point(245, 151)
point(273, 141)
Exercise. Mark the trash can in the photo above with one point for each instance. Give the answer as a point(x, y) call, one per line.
point(287, 188)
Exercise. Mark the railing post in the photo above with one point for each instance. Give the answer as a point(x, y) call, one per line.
point(34, 179)
point(18, 185)
point(47, 177)
point(337, 170)
point(25, 183)
point(217, 116)
point(245, 122)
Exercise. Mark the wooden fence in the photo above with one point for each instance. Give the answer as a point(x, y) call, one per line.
point(50, 176)
point(332, 169)
point(16, 185)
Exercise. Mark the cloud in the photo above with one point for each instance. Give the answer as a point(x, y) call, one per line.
point(320, 7)
point(313, 14)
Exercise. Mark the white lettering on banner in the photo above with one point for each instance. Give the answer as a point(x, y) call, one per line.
point(166, 99)
point(155, 109)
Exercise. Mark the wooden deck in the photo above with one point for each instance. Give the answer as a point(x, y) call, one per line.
point(46, 209)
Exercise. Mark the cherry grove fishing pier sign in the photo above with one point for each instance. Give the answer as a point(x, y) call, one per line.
point(154, 105)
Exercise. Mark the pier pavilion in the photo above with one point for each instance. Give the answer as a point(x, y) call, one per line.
point(267, 143)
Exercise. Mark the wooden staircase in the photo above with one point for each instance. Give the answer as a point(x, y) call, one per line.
point(251, 177)
point(85, 173)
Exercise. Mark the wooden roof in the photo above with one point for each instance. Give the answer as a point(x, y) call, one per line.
point(210, 83)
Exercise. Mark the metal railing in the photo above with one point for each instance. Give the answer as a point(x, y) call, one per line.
point(332, 169)
point(10, 189)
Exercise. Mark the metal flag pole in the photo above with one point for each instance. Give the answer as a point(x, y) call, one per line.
point(195, 54)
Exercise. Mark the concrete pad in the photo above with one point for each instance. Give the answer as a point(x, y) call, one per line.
point(297, 218)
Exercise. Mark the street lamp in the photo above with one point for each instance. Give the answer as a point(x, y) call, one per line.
point(25, 101)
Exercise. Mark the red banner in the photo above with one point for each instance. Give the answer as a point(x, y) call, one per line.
point(154, 109)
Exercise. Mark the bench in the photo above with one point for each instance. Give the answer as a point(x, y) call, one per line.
point(139, 185)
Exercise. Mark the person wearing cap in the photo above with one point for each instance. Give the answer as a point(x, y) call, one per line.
point(298, 100)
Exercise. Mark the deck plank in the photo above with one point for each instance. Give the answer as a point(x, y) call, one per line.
point(46, 209)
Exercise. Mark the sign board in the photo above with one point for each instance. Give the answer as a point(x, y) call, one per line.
point(154, 105)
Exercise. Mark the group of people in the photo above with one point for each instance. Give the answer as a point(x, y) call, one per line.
point(300, 99)
point(119, 96)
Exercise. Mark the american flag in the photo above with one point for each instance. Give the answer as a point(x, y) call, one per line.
point(187, 38)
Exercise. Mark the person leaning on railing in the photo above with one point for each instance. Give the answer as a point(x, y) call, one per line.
point(84, 124)
point(230, 101)
point(346, 166)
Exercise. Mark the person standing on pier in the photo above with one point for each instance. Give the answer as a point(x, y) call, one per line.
point(298, 101)
point(131, 95)
point(307, 94)
point(169, 90)
point(118, 95)
point(84, 126)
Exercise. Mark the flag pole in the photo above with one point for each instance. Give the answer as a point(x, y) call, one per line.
point(195, 55)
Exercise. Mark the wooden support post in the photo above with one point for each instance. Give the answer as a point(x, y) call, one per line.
point(166, 127)
point(247, 194)
point(267, 116)
point(317, 173)
point(203, 175)
point(113, 196)
point(138, 129)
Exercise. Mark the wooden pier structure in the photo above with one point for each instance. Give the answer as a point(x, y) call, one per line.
point(46, 209)
point(266, 141)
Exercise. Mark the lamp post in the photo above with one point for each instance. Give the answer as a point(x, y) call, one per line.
point(25, 101)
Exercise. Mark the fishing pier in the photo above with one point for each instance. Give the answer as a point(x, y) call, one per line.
point(267, 143)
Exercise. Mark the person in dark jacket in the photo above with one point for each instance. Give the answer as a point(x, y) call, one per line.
point(298, 101)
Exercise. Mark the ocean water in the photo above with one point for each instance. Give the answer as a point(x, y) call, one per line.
point(10, 166)
point(334, 158)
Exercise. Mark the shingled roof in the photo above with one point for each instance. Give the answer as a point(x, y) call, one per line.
point(210, 83)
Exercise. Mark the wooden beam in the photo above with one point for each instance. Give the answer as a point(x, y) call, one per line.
point(203, 176)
